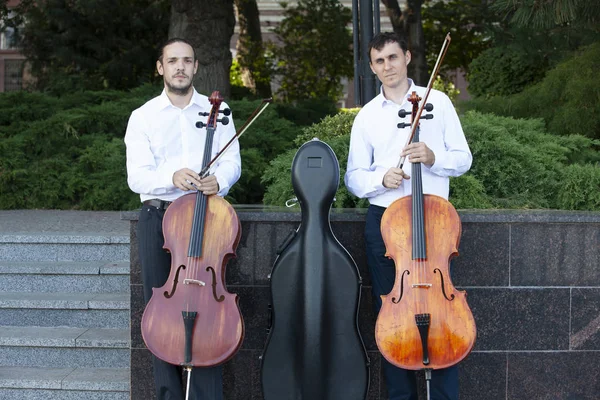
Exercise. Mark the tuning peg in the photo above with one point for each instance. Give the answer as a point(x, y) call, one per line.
point(428, 107)
point(403, 113)
point(403, 125)
point(226, 111)
point(200, 124)
point(428, 116)
point(223, 120)
point(203, 114)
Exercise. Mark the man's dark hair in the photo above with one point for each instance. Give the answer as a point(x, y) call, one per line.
point(171, 41)
point(383, 38)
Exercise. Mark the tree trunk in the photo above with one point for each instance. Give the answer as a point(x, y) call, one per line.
point(208, 25)
point(408, 23)
point(250, 51)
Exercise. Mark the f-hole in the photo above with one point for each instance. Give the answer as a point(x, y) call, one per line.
point(443, 286)
point(169, 295)
point(214, 285)
point(407, 272)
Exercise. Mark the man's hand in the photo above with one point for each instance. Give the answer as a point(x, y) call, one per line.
point(186, 179)
point(393, 178)
point(419, 152)
point(209, 185)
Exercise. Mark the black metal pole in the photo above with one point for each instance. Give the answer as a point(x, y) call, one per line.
point(377, 16)
point(355, 30)
point(366, 34)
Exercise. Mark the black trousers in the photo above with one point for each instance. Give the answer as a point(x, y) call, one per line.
point(401, 383)
point(206, 383)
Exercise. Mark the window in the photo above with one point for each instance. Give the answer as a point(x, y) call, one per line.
point(13, 75)
point(10, 37)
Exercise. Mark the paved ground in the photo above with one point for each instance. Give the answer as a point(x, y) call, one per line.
point(49, 222)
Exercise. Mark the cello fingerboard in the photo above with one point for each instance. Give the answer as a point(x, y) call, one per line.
point(419, 250)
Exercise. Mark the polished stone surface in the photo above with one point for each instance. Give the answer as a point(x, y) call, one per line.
point(556, 376)
point(483, 255)
point(142, 380)
point(521, 319)
point(585, 319)
point(555, 255)
point(483, 376)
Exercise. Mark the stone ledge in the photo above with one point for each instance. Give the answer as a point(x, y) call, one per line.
point(282, 214)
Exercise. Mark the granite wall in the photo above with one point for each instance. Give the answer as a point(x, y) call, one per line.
point(533, 284)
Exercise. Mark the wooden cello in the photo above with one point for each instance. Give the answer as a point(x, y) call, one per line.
point(192, 320)
point(424, 322)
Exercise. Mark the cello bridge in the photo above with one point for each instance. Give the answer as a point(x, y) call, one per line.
point(421, 285)
point(193, 282)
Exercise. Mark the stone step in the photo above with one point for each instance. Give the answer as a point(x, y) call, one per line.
point(64, 276)
point(64, 347)
point(64, 357)
point(33, 394)
point(64, 268)
point(83, 310)
point(31, 383)
point(81, 301)
point(36, 336)
point(57, 247)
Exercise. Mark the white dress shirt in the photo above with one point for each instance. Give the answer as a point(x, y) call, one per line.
point(376, 144)
point(162, 139)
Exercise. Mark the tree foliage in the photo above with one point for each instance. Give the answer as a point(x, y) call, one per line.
point(534, 36)
point(501, 71)
point(551, 13)
point(91, 44)
point(314, 52)
point(566, 99)
point(471, 24)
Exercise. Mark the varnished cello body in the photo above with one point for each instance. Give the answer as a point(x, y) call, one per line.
point(451, 332)
point(218, 329)
point(314, 350)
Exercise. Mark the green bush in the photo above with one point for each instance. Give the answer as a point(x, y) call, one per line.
point(516, 164)
point(567, 99)
point(580, 187)
point(69, 153)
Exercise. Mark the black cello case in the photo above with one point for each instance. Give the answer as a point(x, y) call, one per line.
point(314, 350)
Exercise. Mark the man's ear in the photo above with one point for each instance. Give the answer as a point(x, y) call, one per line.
point(408, 57)
point(195, 67)
point(159, 67)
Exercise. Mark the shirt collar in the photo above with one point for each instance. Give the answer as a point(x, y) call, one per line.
point(385, 102)
point(165, 102)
